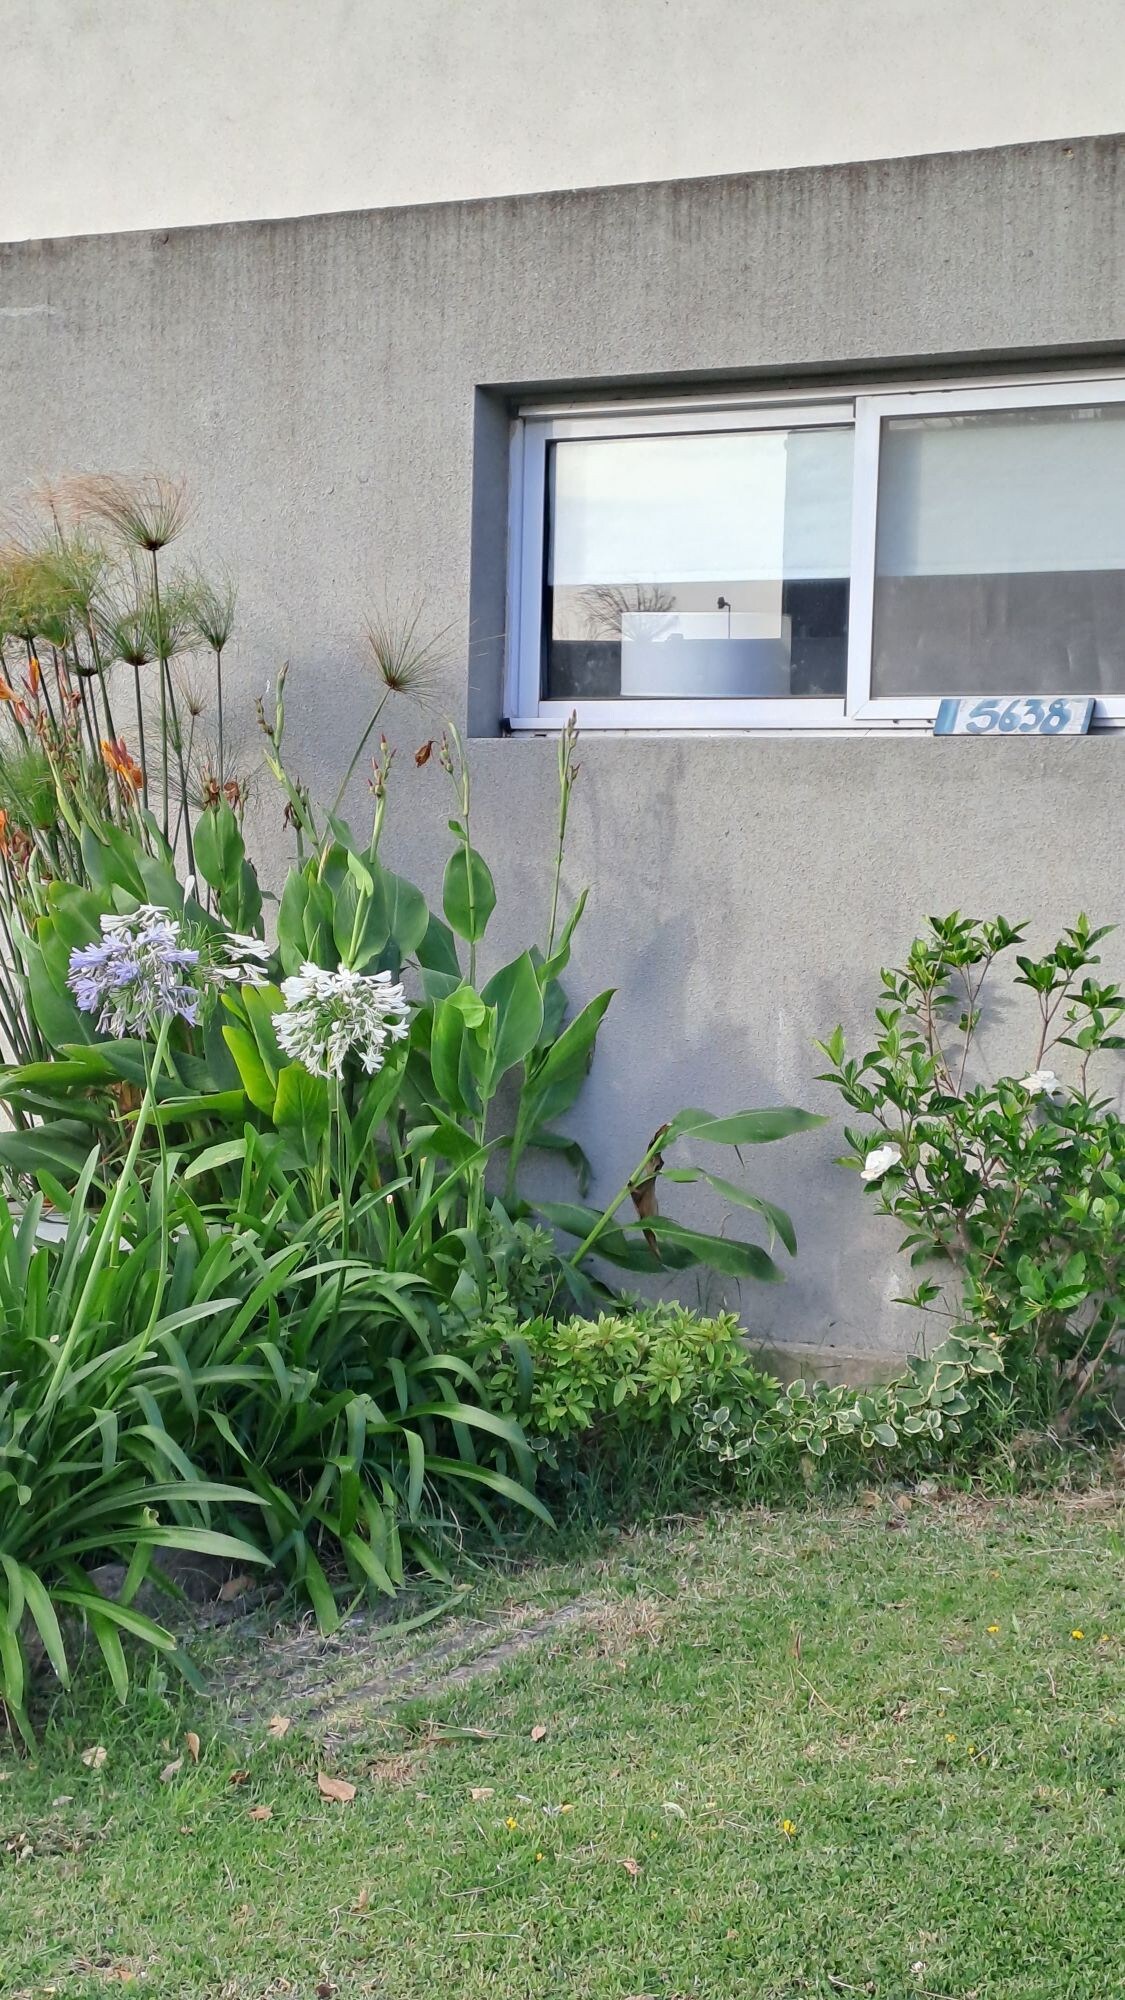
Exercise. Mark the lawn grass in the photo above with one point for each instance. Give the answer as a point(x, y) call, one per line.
point(783, 1755)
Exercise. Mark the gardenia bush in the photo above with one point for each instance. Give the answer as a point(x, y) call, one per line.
point(1010, 1190)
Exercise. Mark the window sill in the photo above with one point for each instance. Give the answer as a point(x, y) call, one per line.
point(623, 719)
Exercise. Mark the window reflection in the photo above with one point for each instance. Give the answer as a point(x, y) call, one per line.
point(699, 566)
point(1000, 553)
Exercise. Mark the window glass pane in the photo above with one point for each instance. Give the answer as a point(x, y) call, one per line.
point(699, 567)
point(1000, 553)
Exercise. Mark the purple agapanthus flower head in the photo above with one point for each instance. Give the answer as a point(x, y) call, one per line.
point(140, 971)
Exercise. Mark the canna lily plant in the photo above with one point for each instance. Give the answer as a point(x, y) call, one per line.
point(403, 1090)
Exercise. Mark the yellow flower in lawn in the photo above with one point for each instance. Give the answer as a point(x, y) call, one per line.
point(788, 1828)
point(994, 1628)
point(1078, 1633)
point(539, 1857)
point(511, 1824)
point(949, 1736)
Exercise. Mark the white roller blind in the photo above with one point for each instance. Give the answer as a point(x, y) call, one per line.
point(1017, 493)
point(743, 506)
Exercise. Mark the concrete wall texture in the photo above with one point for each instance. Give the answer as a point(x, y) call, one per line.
point(151, 113)
point(335, 391)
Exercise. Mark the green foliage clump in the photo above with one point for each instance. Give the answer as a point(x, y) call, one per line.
point(1010, 1191)
point(647, 1366)
point(924, 1407)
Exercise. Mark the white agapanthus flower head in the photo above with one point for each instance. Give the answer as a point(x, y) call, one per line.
point(331, 1015)
point(1039, 1083)
point(236, 960)
point(142, 970)
point(879, 1162)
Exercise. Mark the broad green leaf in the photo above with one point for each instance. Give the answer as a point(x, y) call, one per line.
point(777, 1218)
point(446, 1039)
point(405, 915)
point(56, 1015)
point(437, 951)
point(721, 1253)
point(556, 1081)
point(300, 1111)
point(744, 1128)
point(252, 1070)
point(468, 894)
point(515, 993)
point(221, 1155)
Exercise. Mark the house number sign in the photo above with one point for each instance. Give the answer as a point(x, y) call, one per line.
point(1023, 715)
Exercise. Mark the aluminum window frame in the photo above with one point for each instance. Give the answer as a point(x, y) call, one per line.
point(864, 411)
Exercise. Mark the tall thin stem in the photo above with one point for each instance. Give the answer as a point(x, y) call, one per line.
point(168, 711)
point(141, 757)
point(360, 747)
point(219, 705)
point(99, 668)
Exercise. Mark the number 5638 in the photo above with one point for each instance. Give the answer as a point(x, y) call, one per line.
point(1027, 716)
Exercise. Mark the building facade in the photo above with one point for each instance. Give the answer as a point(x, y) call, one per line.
point(749, 469)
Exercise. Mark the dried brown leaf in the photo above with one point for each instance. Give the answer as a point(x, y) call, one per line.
point(335, 1788)
point(361, 1903)
point(94, 1757)
point(238, 1777)
point(479, 1792)
point(235, 1586)
point(171, 1770)
point(631, 1867)
point(261, 1812)
point(192, 1741)
point(539, 1732)
point(279, 1725)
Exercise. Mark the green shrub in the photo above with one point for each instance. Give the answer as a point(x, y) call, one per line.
point(645, 1367)
point(1011, 1191)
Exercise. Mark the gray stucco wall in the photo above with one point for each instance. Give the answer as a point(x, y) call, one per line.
point(319, 384)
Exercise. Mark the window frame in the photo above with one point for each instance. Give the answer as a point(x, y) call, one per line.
point(863, 410)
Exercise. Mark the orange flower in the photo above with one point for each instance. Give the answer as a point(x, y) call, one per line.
point(34, 675)
point(7, 693)
point(119, 761)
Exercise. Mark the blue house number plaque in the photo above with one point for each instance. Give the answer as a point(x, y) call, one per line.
point(1021, 715)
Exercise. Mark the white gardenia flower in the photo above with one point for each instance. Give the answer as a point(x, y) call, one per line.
point(1039, 1082)
point(331, 1015)
point(880, 1162)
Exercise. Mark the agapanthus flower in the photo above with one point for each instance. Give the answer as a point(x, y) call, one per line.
point(331, 1015)
point(237, 960)
point(141, 970)
point(879, 1162)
